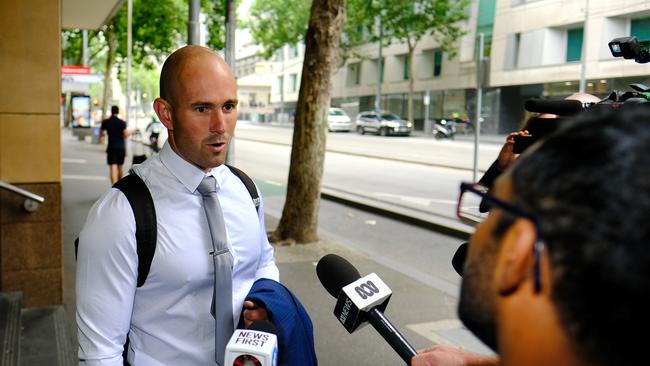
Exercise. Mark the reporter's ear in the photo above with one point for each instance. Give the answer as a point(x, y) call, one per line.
point(514, 260)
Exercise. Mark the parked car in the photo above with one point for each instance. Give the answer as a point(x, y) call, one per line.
point(384, 125)
point(338, 120)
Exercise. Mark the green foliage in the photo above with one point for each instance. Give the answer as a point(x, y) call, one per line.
point(355, 31)
point(158, 27)
point(72, 50)
point(275, 23)
point(410, 20)
point(215, 12)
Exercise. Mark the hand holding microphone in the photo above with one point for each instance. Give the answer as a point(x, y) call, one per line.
point(361, 300)
point(256, 345)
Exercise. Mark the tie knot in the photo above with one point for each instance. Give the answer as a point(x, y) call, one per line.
point(208, 185)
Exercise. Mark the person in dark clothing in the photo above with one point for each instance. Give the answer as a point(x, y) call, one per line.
point(116, 150)
point(561, 262)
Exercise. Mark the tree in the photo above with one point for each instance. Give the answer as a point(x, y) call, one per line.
point(215, 21)
point(158, 27)
point(299, 219)
point(276, 23)
point(407, 21)
point(72, 53)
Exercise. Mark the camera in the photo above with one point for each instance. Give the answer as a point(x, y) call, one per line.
point(630, 49)
point(627, 47)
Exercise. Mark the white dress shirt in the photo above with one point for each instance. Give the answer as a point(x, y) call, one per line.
point(168, 319)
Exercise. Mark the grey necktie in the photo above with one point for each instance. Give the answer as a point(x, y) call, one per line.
point(221, 310)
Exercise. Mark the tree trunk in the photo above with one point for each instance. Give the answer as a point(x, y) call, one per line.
point(111, 42)
point(411, 81)
point(299, 219)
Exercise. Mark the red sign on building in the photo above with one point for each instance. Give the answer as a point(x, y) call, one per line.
point(75, 70)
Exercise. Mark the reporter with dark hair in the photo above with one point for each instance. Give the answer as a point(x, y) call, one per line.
point(557, 272)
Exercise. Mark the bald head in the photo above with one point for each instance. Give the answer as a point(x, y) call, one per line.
point(172, 70)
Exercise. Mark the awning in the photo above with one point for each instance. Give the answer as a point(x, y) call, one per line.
point(88, 14)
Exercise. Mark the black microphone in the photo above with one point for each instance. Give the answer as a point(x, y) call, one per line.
point(361, 300)
point(458, 261)
point(559, 107)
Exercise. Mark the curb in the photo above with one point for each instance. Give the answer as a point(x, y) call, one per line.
point(423, 219)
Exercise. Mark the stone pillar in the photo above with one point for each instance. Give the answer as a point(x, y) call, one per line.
point(30, 149)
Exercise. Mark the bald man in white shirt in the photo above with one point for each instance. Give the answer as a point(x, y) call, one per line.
point(168, 319)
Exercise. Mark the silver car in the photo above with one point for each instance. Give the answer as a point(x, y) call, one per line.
point(384, 125)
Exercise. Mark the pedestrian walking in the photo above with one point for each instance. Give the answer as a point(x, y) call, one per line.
point(116, 130)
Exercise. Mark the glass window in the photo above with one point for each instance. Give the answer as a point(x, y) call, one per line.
point(293, 78)
point(357, 75)
point(280, 84)
point(380, 69)
point(354, 74)
point(512, 51)
point(574, 44)
point(390, 117)
point(406, 67)
point(485, 25)
point(279, 54)
point(640, 28)
point(437, 62)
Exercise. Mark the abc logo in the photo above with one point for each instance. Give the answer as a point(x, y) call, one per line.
point(366, 290)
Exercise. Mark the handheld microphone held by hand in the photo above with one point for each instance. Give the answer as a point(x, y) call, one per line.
point(255, 346)
point(361, 300)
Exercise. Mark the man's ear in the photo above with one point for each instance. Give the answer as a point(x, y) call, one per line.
point(513, 264)
point(164, 111)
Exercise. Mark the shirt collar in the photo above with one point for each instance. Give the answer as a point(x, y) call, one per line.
point(187, 173)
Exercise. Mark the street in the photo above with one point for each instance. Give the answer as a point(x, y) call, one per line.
point(413, 261)
point(417, 175)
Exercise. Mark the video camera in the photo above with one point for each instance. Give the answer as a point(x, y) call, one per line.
point(626, 47)
point(630, 49)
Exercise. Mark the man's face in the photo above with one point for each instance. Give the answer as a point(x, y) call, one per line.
point(204, 114)
point(478, 295)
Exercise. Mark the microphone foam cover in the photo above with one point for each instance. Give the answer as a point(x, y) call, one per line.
point(335, 272)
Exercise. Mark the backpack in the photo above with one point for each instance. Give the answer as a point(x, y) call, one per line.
point(146, 229)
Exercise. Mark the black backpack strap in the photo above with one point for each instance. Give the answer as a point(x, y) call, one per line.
point(146, 229)
point(250, 186)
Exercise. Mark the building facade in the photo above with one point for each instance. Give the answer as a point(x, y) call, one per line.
point(533, 48)
point(31, 243)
